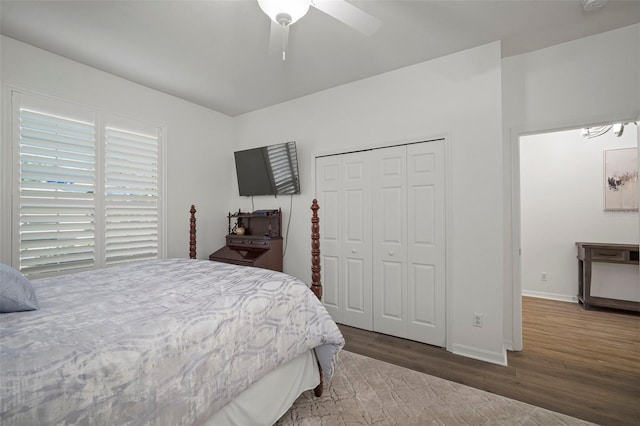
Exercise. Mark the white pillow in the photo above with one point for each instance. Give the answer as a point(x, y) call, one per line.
point(16, 292)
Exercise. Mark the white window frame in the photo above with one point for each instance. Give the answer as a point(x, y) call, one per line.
point(101, 120)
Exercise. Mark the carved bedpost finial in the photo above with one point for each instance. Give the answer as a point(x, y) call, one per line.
point(316, 285)
point(192, 233)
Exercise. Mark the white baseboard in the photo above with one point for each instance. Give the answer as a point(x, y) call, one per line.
point(481, 354)
point(550, 296)
point(508, 345)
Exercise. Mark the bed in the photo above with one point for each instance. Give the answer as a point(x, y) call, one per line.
point(173, 341)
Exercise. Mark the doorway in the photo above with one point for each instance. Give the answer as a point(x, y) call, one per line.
point(558, 193)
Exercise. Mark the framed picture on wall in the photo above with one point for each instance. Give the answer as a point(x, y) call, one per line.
point(621, 179)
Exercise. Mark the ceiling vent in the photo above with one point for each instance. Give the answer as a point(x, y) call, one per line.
point(590, 5)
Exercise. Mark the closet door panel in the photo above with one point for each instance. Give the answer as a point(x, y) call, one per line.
point(328, 170)
point(426, 242)
point(330, 272)
point(354, 262)
point(389, 241)
point(392, 300)
point(423, 291)
point(423, 215)
point(330, 252)
point(355, 215)
point(355, 289)
point(391, 198)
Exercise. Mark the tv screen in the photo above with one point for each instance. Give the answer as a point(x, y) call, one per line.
point(268, 170)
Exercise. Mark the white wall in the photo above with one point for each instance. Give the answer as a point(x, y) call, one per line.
point(457, 96)
point(195, 138)
point(587, 81)
point(561, 193)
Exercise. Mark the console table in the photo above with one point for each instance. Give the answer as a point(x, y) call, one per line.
point(607, 253)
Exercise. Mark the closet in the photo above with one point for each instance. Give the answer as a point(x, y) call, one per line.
point(383, 239)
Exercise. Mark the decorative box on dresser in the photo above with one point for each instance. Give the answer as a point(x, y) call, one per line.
point(254, 239)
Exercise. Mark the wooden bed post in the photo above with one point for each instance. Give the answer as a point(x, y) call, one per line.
point(192, 233)
point(316, 285)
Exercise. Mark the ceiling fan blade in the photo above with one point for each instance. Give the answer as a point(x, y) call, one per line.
point(278, 39)
point(349, 14)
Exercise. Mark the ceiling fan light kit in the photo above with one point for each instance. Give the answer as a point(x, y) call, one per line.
point(285, 12)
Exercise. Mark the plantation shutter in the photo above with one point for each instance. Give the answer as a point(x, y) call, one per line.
point(57, 193)
point(131, 196)
point(284, 167)
point(87, 187)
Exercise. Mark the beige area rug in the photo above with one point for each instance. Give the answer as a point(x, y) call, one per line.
point(366, 391)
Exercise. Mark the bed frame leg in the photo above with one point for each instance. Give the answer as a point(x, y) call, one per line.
point(317, 391)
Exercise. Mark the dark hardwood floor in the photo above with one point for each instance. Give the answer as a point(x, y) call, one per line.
point(582, 363)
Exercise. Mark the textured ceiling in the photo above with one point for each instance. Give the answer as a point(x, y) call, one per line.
point(216, 53)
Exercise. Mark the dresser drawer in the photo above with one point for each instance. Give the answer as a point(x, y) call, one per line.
point(248, 243)
point(612, 255)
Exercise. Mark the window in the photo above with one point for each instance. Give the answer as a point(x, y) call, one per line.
point(131, 196)
point(88, 188)
point(57, 192)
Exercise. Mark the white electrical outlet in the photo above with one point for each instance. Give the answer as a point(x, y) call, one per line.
point(543, 276)
point(477, 320)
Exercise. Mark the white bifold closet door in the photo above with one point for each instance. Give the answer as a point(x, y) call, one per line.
point(409, 242)
point(383, 239)
point(345, 237)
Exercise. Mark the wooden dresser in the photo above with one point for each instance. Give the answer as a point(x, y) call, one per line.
point(259, 245)
point(589, 253)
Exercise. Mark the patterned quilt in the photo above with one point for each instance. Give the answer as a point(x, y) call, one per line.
point(162, 342)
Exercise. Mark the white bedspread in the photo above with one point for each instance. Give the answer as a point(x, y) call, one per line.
point(163, 342)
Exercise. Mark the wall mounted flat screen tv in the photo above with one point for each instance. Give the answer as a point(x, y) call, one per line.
point(268, 170)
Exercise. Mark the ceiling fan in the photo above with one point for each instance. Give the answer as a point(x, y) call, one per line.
point(284, 13)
